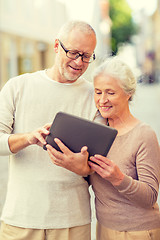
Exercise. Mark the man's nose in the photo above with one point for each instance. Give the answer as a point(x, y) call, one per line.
point(79, 60)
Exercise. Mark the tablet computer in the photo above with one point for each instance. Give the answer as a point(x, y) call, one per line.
point(76, 132)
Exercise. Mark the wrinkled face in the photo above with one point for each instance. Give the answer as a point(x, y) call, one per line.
point(70, 70)
point(110, 98)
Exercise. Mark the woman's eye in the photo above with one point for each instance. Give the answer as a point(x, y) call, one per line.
point(111, 93)
point(97, 92)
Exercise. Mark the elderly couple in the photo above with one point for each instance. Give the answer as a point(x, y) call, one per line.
point(47, 196)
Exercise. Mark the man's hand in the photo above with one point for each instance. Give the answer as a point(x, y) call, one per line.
point(38, 136)
point(18, 142)
point(75, 162)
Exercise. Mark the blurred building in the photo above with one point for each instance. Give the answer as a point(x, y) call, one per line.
point(148, 45)
point(156, 42)
point(28, 29)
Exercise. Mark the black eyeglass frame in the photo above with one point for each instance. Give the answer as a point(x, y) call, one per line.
point(78, 54)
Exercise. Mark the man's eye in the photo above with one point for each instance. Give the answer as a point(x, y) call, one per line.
point(86, 56)
point(73, 53)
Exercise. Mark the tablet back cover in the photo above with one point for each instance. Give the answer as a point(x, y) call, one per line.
point(76, 132)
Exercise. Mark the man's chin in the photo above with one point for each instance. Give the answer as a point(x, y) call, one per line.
point(72, 78)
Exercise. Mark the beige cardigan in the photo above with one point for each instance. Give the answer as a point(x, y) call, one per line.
point(132, 205)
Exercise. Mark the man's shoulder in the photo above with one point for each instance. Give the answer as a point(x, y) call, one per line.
point(26, 75)
point(84, 80)
point(23, 77)
point(85, 83)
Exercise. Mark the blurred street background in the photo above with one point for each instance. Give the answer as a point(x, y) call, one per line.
point(127, 28)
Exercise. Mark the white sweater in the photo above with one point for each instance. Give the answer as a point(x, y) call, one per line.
point(40, 194)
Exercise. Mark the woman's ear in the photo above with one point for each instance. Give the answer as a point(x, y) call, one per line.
point(129, 97)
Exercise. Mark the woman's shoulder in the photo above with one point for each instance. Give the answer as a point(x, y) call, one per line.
point(144, 129)
point(145, 134)
point(141, 132)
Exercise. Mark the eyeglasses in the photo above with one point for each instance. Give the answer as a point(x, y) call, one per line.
point(74, 55)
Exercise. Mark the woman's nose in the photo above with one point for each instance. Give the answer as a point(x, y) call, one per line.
point(103, 98)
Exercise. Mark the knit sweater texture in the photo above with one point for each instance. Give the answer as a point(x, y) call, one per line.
point(40, 194)
point(132, 205)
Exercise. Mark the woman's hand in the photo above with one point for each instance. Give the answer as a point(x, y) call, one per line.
point(106, 169)
point(75, 162)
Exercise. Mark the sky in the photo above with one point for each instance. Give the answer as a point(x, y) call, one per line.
point(148, 5)
point(76, 8)
point(80, 9)
point(136, 5)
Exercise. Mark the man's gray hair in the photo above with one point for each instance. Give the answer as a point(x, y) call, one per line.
point(67, 28)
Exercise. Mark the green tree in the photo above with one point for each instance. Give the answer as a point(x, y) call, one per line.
point(123, 26)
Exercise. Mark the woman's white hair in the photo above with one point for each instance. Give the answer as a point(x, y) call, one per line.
point(118, 69)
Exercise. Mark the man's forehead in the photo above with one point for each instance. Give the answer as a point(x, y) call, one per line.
point(81, 42)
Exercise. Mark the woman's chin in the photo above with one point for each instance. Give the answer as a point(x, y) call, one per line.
point(104, 114)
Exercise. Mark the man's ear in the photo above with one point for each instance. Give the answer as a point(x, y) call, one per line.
point(56, 44)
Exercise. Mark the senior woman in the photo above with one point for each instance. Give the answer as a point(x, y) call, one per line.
point(126, 182)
